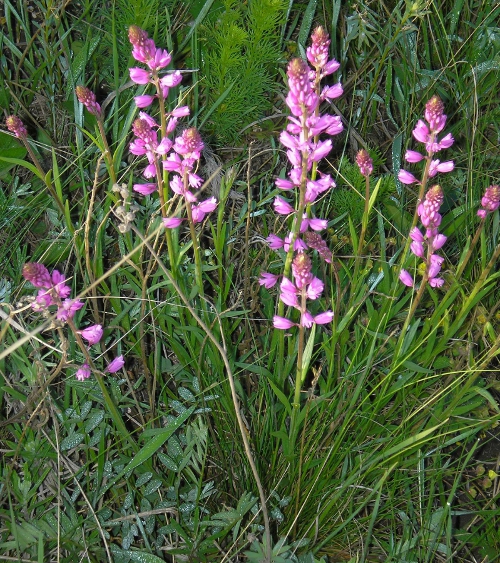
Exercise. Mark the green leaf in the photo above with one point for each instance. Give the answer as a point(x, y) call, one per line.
point(72, 441)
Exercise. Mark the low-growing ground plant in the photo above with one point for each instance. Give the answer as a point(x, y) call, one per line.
point(162, 402)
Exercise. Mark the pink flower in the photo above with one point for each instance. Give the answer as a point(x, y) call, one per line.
point(199, 211)
point(144, 101)
point(83, 372)
point(406, 177)
point(16, 126)
point(92, 334)
point(115, 365)
point(37, 274)
point(406, 278)
point(282, 206)
point(332, 92)
point(284, 184)
point(282, 323)
point(437, 166)
point(171, 222)
point(181, 111)
point(268, 280)
point(145, 189)
point(436, 262)
point(413, 156)
point(274, 242)
point(68, 309)
point(139, 75)
point(324, 318)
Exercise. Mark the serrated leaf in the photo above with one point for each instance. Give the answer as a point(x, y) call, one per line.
point(72, 441)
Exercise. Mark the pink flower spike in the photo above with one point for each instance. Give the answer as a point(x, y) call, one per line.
point(406, 278)
point(413, 156)
point(139, 75)
point(145, 189)
point(83, 372)
point(144, 101)
point(16, 126)
point(37, 274)
point(268, 280)
point(115, 365)
point(171, 222)
point(92, 334)
point(282, 206)
point(406, 177)
point(282, 323)
point(482, 213)
point(324, 318)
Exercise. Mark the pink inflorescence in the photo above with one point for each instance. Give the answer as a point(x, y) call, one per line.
point(490, 201)
point(89, 100)
point(53, 293)
point(180, 156)
point(16, 126)
point(425, 245)
point(427, 134)
point(304, 139)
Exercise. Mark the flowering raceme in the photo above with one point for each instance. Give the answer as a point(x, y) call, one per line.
point(54, 292)
point(427, 134)
point(152, 139)
point(428, 211)
point(305, 149)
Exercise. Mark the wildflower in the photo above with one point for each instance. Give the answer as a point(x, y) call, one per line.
point(92, 334)
point(83, 372)
point(37, 274)
point(16, 126)
point(406, 278)
point(268, 280)
point(199, 211)
point(490, 201)
point(364, 162)
point(115, 365)
point(88, 99)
